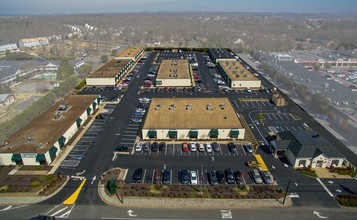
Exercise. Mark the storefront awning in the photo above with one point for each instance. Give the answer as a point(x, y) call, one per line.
point(193, 133)
point(16, 157)
point(152, 134)
point(53, 150)
point(234, 132)
point(61, 140)
point(89, 110)
point(79, 122)
point(94, 105)
point(40, 157)
point(172, 134)
point(214, 133)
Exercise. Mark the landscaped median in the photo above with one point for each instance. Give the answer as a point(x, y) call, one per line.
point(117, 193)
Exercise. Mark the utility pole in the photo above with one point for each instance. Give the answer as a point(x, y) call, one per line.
point(286, 191)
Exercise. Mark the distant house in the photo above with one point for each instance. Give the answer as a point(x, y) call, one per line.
point(8, 46)
point(6, 99)
point(307, 148)
point(33, 42)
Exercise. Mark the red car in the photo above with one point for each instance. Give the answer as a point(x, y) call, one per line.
point(197, 77)
point(184, 147)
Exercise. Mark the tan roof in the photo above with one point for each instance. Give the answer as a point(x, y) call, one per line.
point(129, 52)
point(196, 118)
point(236, 71)
point(45, 129)
point(110, 69)
point(174, 69)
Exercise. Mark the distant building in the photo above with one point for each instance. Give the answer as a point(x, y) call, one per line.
point(307, 148)
point(109, 73)
point(130, 53)
point(174, 73)
point(33, 42)
point(42, 140)
point(6, 99)
point(237, 75)
point(78, 63)
point(8, 46)
point(278, 100)
point(219, 54)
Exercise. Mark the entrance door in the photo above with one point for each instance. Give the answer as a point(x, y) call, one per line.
point(319, 163)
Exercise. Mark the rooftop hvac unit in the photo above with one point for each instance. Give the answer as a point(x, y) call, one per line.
point(222, 105)
point(189, 107)
point(62, 107)
point(209, 107)
point(172, 107)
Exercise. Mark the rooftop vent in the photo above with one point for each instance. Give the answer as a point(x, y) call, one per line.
point(189, 107)
point(222, 105)
point(209, 107)
point(30, 138)
point(172, 107)
point(62, 107)
point(158, 107)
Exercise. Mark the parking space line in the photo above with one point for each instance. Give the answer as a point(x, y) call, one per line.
point(263, 103)
point(269, 103)
point(132, 132)
point(286, 116)
point(245, 154)
point(173, 152)
point(144, 176)
point(132, 128)
point(252, 104)
point(129, 135)
point(128, 139)
point(165, 150)
point(170, 176)
point(280, 117)
point(152, 177)
point(273, 114)
point(267, 114)
point(293, 128)
point(127, 143)
point(287, 128)
point(300, 128)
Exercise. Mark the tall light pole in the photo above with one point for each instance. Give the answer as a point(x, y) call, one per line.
point(286, 191)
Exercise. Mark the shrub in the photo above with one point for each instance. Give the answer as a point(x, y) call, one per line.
point(35, 184)
point(4, 188)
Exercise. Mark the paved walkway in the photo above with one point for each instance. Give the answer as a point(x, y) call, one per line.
point(324, 173)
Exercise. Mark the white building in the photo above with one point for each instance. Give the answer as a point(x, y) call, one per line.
point(6, 99)
point(33, 42)
point(174, 73)
point(8, 46)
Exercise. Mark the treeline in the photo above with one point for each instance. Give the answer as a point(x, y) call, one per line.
point(18, 56)
point(38, 107)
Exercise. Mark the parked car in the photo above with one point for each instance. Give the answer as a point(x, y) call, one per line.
point(208, 147)
point(184, 177)
point(229, 176)
point(162, 146)
point(140, 110)
point(184, 147)
point(239, 177)
point(147, 146)
point(212, 177)
point(216, 147)
point(157, 177)
point(166, 177)
point(232, 147)
point(138, 175)
point(256, 176)
point(192, 146)
point(144, 100)
point(253, 163)
point(138, 113)
point(220, 177)
point(138, 146)
point(100, 116)
point(154, 146)
point(136, 120)
point(201, 147)
point(248, 148)
point(266, 177)
point(194, 179)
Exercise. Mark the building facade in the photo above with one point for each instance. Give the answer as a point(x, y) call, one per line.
point(8, 46)
point(6, 99)
point(174, 73)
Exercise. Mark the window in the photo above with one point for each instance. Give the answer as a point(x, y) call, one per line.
point(335, 163)
point(158, 82)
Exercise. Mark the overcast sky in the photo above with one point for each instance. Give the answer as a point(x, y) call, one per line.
point(109, 6)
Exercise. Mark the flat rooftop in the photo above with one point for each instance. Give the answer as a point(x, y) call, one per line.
point(45, 129)
point(109, 69)
point(196, 118)
point(220, 53)
point(129, 52)
point(236, 71)
point(174, 69)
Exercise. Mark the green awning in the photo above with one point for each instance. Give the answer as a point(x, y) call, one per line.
point(152, 134)
point(61, 141)
point(172, 134)
point(16, 157)
point(40, 157)
point(214, 133)
point(234, 133)
point(98, 100)
point(79, 122)
point(53, 151)
point(193, 133)
point(94, 105)
point(88, 111)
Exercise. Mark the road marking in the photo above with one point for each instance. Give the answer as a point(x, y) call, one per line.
point(131, 213)
point(61, 210)
point(300, 128)
point(243, 150)
point(286, 116)
point(268, 116)
point(72, 198)
point(144, 177)
point(287, 128)
point(293, 128)
point(318, 214)
point(131, 132)
point(129, 135)
point(226, 214)
point(280, 117)
point(323, 185)
point(114, 157)
point(273, 114)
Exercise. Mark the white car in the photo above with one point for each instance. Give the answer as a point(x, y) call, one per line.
point(208, 147)
point(194, 180)
point(192, 146)
point(144, 100)
point(201, 147)
point(138, 147)
point(140, 110)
